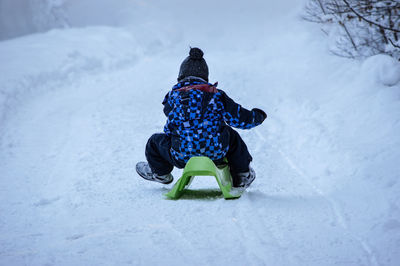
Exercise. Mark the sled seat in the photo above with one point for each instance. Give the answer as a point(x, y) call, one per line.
point(204, 166)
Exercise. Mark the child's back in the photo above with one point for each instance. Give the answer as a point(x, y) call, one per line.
point(199, 119)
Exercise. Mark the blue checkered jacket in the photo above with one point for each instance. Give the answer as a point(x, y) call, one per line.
point(198, 114)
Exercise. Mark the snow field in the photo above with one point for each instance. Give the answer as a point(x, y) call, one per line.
point(80, 105)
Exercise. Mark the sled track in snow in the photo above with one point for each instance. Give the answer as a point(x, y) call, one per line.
point(334, 206)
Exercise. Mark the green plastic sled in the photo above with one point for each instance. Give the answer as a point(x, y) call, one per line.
point(204, 166)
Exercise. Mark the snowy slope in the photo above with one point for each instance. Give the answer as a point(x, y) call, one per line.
point(78, 105)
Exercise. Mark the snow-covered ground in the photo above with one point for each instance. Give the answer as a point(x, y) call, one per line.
point(77, 106)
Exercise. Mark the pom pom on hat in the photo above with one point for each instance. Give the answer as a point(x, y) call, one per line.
point(194, 65)
point(196, 53)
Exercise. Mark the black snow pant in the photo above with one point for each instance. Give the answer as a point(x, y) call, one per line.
point(162, 162)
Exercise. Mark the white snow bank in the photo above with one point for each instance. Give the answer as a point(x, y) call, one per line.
point(60, 56)
point(22, 17)
point(382, 69)
point(343, 141)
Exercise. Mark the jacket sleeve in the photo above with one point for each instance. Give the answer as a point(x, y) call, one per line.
point(237, 116)
point(167, 107)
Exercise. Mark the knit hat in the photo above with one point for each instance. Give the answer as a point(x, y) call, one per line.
point(194, 65)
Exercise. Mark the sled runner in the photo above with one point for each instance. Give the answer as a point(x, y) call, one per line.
point(204, 166)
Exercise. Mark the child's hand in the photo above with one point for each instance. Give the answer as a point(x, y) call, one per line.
point(261, 112)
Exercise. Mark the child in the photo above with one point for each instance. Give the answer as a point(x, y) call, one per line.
point(199, 123)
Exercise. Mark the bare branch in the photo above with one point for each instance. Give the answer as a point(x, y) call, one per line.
point(394, 45)
point(367, 20)
point(348, 35)
point(365, 27)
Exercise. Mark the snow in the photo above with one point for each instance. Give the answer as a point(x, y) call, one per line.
point(77, 106)
point(22, 17)
point(382, 69)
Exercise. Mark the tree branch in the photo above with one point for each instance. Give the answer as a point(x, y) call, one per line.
point(321, 6)
point(348, 34)
point(395, 45)
point(367, 20)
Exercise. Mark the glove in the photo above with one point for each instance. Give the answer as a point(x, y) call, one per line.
point(260, 113)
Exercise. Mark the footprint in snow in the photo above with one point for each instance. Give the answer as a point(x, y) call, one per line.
point(75, 237)
point(45, 202)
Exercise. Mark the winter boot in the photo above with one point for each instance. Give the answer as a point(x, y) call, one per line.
point(243, 180)
point(144, 170)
